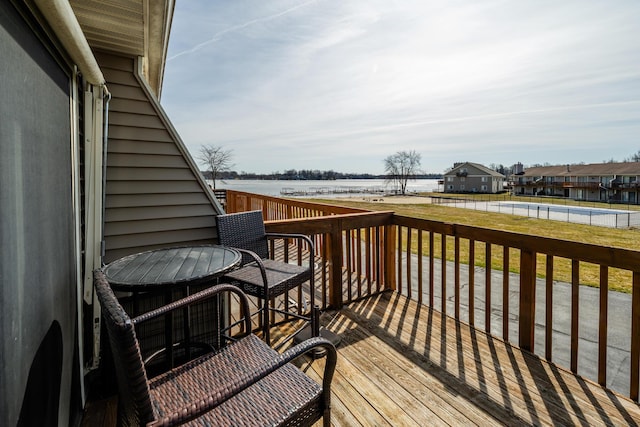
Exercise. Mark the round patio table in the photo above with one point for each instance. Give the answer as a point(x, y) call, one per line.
point(167, 269)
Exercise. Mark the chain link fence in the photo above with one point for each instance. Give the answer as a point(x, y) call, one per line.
point(613, 218)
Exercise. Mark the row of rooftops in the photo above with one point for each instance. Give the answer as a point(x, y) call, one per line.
point(591, 169)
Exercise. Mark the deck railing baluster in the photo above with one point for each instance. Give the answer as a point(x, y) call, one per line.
point(456, 280)
point(443, 274)
point(325, 279)
point(389, 261)
point(487, 293)
point(548, 341)
point(379, 262)
point(472, 281)
point(359, 260)
point(347, 242)
point(432, 257)
point(399, 259)
point(575, 295)
point(420, 242)
point(635, 336)
point(603, 325)
point(408, 262)
point(505, 293)
point(367, 238)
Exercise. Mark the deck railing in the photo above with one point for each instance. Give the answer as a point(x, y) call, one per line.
point(274, 208)
point(365, 252)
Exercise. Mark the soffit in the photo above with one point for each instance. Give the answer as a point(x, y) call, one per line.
point(129, 27)
point(114, 25)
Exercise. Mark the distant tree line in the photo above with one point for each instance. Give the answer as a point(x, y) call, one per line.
point(306, 175)
point(634, 157)
point(500, 168)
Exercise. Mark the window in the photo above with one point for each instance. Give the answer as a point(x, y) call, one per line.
point(449, 179)
point(484, 179)
point(449, 187)
point(483, 188)
point(462, 186)
point(462, 178)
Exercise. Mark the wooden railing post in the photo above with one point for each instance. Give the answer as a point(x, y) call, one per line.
point(231, 201)
point(527, 299)
point(390, 257)
point(335, 269)
point(635, 337)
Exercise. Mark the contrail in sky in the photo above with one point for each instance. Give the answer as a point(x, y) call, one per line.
point(506, 114)
point(219, 34)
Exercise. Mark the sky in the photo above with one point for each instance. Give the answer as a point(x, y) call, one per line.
point(340, 85)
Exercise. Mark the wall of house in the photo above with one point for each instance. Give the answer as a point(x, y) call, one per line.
point(472, 184)
point(467, 178)
point(583, 188)
point(155, 195)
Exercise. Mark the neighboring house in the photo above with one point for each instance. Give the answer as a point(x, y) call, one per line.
point(603, 182)
point(467, 177)
point(91, 169)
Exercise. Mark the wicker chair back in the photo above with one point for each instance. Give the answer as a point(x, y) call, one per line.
point(244, 230)
point(134, 406)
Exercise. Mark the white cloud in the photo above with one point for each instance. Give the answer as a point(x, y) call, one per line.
point(340, 85)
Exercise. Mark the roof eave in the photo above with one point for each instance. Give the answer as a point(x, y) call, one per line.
point(160, 16)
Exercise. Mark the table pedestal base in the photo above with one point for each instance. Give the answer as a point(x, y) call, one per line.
point(305, 334)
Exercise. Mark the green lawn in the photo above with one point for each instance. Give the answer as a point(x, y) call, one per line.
point(589, 274)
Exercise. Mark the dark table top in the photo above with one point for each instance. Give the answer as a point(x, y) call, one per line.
point(160, 268)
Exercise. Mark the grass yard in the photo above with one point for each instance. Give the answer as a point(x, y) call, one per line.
point(589, 273)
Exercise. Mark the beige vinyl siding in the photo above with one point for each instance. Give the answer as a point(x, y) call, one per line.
point(155, 196)
point(153, 200)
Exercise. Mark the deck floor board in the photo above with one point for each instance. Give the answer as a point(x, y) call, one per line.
point(418, 366)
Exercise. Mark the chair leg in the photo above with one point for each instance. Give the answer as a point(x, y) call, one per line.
point(326, 418)
point(265, 322)
point(315, 321)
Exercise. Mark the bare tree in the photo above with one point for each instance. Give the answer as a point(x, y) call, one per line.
point(216, 159)
point(400, 167)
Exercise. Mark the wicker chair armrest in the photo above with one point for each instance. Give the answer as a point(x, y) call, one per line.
point(198, 297)
point(219, 396)
point(307, 240)
point(330, 366)
point(304, 237)
point(259, 263)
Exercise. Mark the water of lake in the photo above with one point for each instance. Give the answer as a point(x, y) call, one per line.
point(335, 188)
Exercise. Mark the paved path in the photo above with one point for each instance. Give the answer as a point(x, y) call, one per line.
point(619, 333)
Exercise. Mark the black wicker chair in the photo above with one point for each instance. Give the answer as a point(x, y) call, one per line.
point(262, 277)
point(245, 383)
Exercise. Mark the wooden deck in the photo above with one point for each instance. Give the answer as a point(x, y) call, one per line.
point(404, 364)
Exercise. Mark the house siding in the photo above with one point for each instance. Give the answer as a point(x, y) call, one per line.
point(601, 182)
point(472, 180)
point(154, 194)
